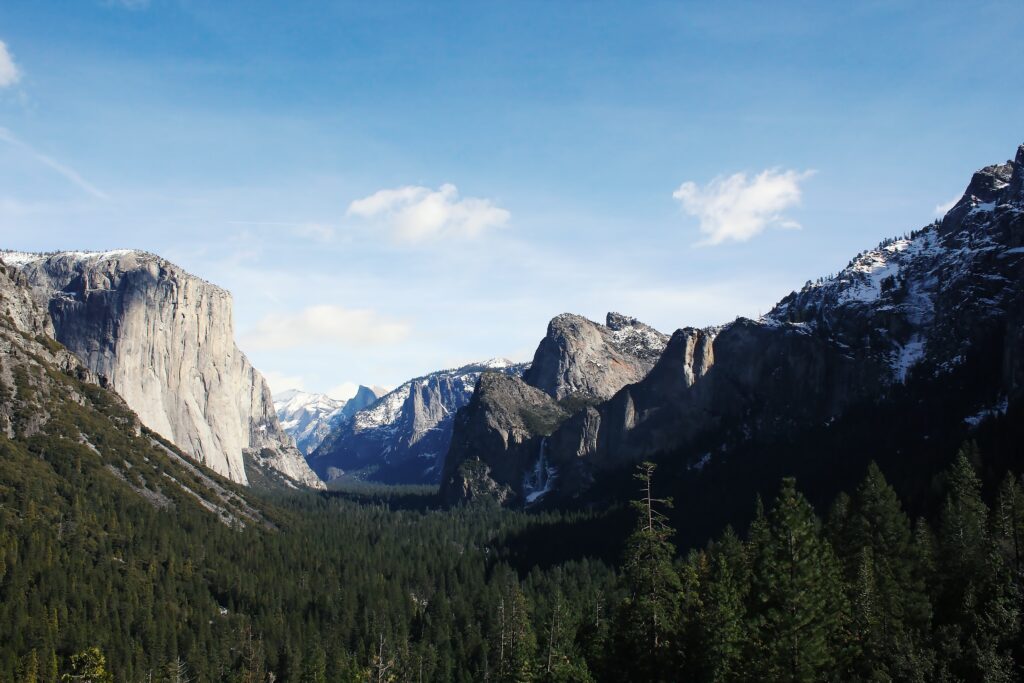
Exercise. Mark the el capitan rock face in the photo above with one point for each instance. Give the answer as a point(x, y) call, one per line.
point(164, 341)
point(943, 301)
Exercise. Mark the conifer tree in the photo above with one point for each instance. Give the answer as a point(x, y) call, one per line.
point(315, 664)
point(963, 529)
point(723, 614)
point(891, 608)
point(30, 668)
point(796, 595)
point(1009, 523)
point(516, 646)
point(979, 601)
point(648, 618)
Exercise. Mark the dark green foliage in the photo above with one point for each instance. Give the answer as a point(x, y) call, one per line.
point(723, 616)
point(111, 571)
point(648, 619)
point(795, 598)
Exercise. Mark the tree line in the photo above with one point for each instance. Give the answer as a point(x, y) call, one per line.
point(108, 589)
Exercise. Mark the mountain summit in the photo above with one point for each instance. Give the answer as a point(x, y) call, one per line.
point(164, 340)
point(933, 321)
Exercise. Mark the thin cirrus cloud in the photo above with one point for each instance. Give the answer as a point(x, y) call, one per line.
point(280, 381)
point(316, 232)
point(10, 74)
point(737, 208)
point(420, 214)
point(69, 173)
point(324, 325)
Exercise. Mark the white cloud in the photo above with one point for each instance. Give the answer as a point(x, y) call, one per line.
point(64, 170)
point(278, 381)
point(417, 214)
point(9, 71)
point(343, 391)
point(736, 208)
point(324, 324)
point(941, 209)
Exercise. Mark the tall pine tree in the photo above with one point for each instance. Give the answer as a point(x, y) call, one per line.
point(648, 619)
point(796, 600)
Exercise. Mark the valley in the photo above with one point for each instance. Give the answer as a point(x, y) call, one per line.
point(843, 474)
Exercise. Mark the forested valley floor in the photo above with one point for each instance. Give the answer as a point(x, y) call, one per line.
point(98, 584)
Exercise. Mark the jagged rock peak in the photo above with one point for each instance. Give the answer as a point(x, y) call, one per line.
point(579, 357)
point(617, 321)
point(1016, 188)
point(165, 341)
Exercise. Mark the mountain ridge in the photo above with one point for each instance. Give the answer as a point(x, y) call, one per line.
point(915, 307)
point(164, 340)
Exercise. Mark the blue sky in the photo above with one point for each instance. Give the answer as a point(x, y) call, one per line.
point(391, 188)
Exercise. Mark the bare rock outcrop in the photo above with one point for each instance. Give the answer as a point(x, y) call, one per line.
point(164, 340)
point(927, 320)
point(506, 416)
point(578, 357)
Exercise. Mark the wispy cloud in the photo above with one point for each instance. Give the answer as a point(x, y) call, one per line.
point(317, 232)
point(417, 214)
point(63, 169)
point(279, 381)
point(324, 325)
point(737, 208)
point(10, 74)
point(941, 209)
point(343, 391)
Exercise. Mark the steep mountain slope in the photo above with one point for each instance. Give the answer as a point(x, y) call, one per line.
point(933, 319)
point(403, 436)
point(164, 340)
point(505, 415)
point(578, 357)
point(56, 417)
point(309, 418)
point(578, 364)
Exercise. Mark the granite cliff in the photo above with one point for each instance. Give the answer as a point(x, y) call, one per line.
point(924, 325)
point(502, 433)
point(164, 341)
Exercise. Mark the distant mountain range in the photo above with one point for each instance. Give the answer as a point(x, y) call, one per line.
point(309, 418)
point(402, 437)
point(927, 330)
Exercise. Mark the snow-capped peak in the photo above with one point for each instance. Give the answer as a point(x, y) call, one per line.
point(21, 258)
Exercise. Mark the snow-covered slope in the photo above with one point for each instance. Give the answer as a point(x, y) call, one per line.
point(309, 417)
point(403, 436)
point(913, 301)
point(932, 321)
point(306, 416)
